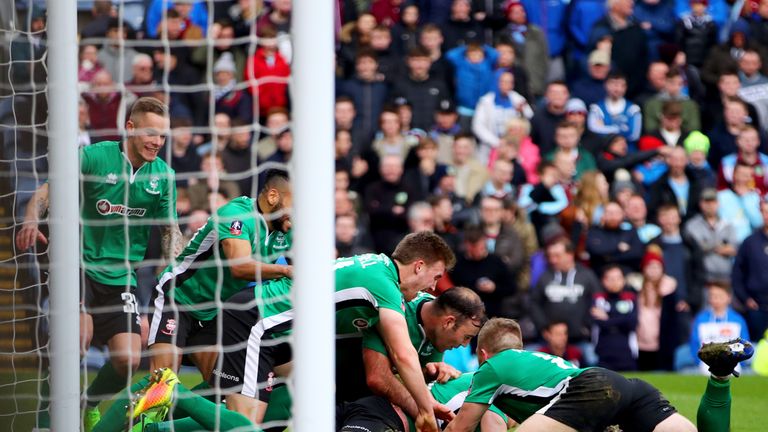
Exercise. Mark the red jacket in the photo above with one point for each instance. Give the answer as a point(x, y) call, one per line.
point(271, 90)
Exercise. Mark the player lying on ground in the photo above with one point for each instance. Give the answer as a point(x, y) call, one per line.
point(124, 186)
point(238, 244)
point(370, 292)
point(545, 392)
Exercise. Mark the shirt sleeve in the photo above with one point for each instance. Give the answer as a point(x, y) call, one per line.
point(167, 210)
point(234, 223)
point(373, 341)
point(85, 161)
point(484, 385)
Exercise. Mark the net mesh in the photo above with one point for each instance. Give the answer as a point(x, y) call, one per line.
point(225, 134)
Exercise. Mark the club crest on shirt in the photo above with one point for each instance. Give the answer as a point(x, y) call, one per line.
point(111, 178)
point(236, 227)
point(154, 182)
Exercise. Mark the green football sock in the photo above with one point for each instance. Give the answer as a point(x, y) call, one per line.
point(204, 386)
point(187, 424)
point(714, 413)
point(204, 412)
point(107, 382)
point(114, 419)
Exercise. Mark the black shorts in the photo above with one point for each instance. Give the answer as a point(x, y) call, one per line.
point(369, 414)
point(599, 398)
point(170, 325)
point(113, 308)
point(251, 348)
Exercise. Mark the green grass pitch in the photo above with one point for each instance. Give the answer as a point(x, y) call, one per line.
point(18, 398)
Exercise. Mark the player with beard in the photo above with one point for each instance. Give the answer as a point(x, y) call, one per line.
point(239, 244)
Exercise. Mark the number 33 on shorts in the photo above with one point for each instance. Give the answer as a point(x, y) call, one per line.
point(131, 305)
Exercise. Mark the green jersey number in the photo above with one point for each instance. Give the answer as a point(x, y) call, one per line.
point(557, 361)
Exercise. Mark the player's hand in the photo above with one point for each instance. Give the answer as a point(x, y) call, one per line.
point(425, 422)
point(444, 413)
point(441, 372)
point(289, 271)
point(28, 235)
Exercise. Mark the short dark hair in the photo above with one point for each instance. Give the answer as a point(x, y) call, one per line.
point(563, 240)
point(464, 303)
point(146, 105)
point(565, 124)
point(720, 283)
point(616, 75)
point(424, 245)
point(553, 323)
point(366, 53)
point(418, 51)
point(473, 234)
point(276, 178)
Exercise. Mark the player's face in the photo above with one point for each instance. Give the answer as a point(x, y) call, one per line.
point(422, 277)
point(147, 134)
point(450, 335)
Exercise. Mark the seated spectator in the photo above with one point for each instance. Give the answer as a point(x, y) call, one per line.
point(422, 169)
point(548, 115)
point(682, 259)
point(183, 155)
point(567, 141)
point(591, 88)
point(677, 186)
point(444, 227)
point(386, 203)
point(445, 128)
point(749, 278)
point(495, 110)
point(482, 272)
point(530, 43)
point(420, 88)
point(143, 82)
point(696, 33)
point(544, 201)
point(114, 56)
point(233, 101)
point(637, 216)
point(555, 336)
point(714, 237)
point(576, 113)
point(367, 89)
point(349, 242)
point(214, 179)
point(420, 217)
point(516, 146)
point(471, 175)
point(461, 28)
point(747, 144)
point(222, 35)
point(390, 140)
point(106, 107)
point(719, 322)
point(615, 114)
point(564, 293)
point(740, 204)
point(473, 76)
point(388, 61)
point(686, 109)
point(614, 312)
point(610, 243)
point(268, 72)
point(507, 60)
point(238, 156)
point(89, 65)
point(656, 311)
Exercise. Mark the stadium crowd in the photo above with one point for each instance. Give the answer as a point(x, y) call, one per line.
point(599, 167)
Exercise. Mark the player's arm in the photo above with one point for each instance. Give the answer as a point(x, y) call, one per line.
point(394, 331)
point(242, 266)
point(381, 381)
point(492, 422)
point(36, 208)
point(468, 418)
point(171, 240)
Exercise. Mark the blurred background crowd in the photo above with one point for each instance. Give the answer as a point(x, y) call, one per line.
point(599, 167)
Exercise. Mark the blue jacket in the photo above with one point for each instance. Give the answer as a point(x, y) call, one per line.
point(550, 16)
point(473, 80)
point(662, 19)
point(749, 278)
point(615, 339)
point(717, 9)
point(702, 331)
point(583, 15)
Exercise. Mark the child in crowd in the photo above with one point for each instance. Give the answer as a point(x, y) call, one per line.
point(615, 313)
point(556, 337)
point(718, 322)
point(473, 75)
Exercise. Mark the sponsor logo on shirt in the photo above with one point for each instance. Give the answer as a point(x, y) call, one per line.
point(360, 323)
point(236, 227)
point(111, 178)
point(170, 327)
point(104, 207)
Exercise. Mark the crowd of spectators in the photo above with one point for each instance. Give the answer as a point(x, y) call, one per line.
point(599, 167)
